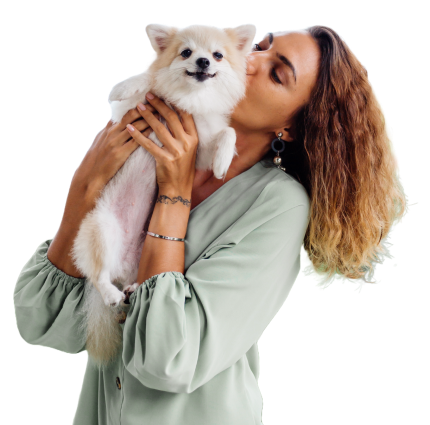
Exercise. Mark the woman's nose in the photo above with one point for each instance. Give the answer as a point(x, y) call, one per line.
point(251, 66)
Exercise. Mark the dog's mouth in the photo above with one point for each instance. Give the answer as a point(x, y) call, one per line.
point(200, 76)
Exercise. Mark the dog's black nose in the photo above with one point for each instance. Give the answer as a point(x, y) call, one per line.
point(203, 63)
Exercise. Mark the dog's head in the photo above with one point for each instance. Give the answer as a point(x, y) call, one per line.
point(201, 69)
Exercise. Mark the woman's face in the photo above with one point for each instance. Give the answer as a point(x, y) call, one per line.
point(281, 73)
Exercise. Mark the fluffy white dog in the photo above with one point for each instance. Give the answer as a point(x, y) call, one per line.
point(201, 70)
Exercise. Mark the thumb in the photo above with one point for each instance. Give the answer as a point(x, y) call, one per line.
point(187, 120)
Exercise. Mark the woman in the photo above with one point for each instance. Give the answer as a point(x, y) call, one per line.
point(190, 335)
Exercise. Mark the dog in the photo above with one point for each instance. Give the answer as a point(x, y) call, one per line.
point(201, 70)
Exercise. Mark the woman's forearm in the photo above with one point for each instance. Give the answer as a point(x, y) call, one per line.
point(158, 256)
point(170, 218)
point(79, 202)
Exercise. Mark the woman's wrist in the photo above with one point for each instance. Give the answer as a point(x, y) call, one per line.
point(169, 218)
point(171, 212)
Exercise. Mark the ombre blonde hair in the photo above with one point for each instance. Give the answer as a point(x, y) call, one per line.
point(344, 158)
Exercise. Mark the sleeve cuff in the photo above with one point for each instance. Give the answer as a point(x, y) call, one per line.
point(64, 277)
point(151, 282)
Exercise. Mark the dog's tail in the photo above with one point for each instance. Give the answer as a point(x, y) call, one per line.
point(100, 326)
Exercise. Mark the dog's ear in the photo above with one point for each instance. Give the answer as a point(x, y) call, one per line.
point(243, 36)
point(160, 36)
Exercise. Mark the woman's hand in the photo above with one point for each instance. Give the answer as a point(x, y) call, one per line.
point(110, 149)
point(176, 160)
point(107, 154)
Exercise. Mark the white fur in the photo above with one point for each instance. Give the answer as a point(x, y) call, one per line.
point(109, 243)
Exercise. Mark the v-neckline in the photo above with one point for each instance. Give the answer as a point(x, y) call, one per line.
point(225, 185)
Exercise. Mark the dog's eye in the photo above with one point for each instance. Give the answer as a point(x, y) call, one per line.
point(186, 53)
point(218, 55)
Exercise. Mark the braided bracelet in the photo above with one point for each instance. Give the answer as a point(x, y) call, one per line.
point(166, 237)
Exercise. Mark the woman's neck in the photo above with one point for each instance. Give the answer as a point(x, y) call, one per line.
point(250, 146)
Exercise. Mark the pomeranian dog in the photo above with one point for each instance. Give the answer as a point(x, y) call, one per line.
point(199, 69)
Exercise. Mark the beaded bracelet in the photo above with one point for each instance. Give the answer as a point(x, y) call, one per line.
point(166, 237)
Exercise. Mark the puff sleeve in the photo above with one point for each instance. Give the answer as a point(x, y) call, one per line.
point(184, 329)
point(46, 302)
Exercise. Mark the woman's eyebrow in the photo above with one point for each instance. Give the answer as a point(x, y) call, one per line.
point(285, 60)
point(288, 63)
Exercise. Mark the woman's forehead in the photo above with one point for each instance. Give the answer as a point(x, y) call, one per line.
point(299, 43)
point(301, 50)
point(281, 33)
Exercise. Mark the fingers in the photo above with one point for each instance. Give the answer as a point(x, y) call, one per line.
point(168, 114)
point(131, 116)
point(147, 144)
point(128, 148)
point(140, 125)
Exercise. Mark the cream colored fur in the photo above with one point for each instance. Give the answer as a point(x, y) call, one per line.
point(109, 243)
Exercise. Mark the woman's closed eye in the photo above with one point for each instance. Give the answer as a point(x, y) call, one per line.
point(273, 71)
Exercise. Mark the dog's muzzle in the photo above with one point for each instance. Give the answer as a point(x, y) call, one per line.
point(200, 76)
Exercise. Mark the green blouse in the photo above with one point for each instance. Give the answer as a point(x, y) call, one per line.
point(189, 354)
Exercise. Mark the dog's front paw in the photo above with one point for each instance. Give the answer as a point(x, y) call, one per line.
point(121, 92)
point(226, 150)
point(221, 163)
point(220, 170)
point(135, 85)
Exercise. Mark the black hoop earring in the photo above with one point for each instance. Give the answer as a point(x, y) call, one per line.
point(277, 159)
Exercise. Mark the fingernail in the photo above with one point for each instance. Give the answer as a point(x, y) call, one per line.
point(149, 95)
point(141, 106)
point(130, 127)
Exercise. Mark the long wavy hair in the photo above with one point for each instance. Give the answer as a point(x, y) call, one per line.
point(343, 157)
